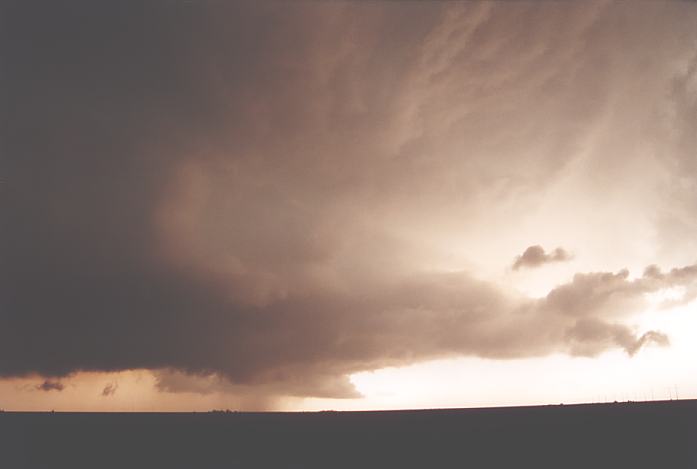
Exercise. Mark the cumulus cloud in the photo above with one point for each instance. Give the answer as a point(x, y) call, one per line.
point(50, 385)
point(535, 256)
point(110, 389)
point(248, 193)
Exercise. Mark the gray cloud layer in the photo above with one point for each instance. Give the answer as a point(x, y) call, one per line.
point(226, 188)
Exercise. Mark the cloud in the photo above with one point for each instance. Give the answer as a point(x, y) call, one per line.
point(675, 143)
point(110, 389)
point(434, 316)
point(50, 385)
point(589, 337)
point(248, 193)
point(535, 256)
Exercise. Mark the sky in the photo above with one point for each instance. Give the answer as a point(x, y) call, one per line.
point(346, 205)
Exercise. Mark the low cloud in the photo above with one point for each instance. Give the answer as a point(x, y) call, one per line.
point(110, 389)
point(49, 385)
point(589, 337)
point(433, 316)
point(535, 256)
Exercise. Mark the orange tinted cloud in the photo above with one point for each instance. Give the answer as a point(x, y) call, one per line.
point(249, 194)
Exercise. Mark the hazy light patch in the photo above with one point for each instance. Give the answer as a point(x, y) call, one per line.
point(471, 382)
point(83, 391)
point(538, 284)
point(654, 373)
point(680, 323)
point(130, 391)
point(666, 295)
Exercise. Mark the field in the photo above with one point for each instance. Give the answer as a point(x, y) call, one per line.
point(620, 435)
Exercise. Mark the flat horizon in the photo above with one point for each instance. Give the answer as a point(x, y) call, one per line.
point(234, 411)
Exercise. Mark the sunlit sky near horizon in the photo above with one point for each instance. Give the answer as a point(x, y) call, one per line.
point(347, 205)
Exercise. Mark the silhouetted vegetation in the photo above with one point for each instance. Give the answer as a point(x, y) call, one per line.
point(651, 434)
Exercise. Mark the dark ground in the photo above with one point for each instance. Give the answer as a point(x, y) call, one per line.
point(623, 435)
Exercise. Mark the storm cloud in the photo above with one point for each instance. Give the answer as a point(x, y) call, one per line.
point(251, 191)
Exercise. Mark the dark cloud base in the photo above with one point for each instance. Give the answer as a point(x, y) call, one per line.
point(182, 183)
